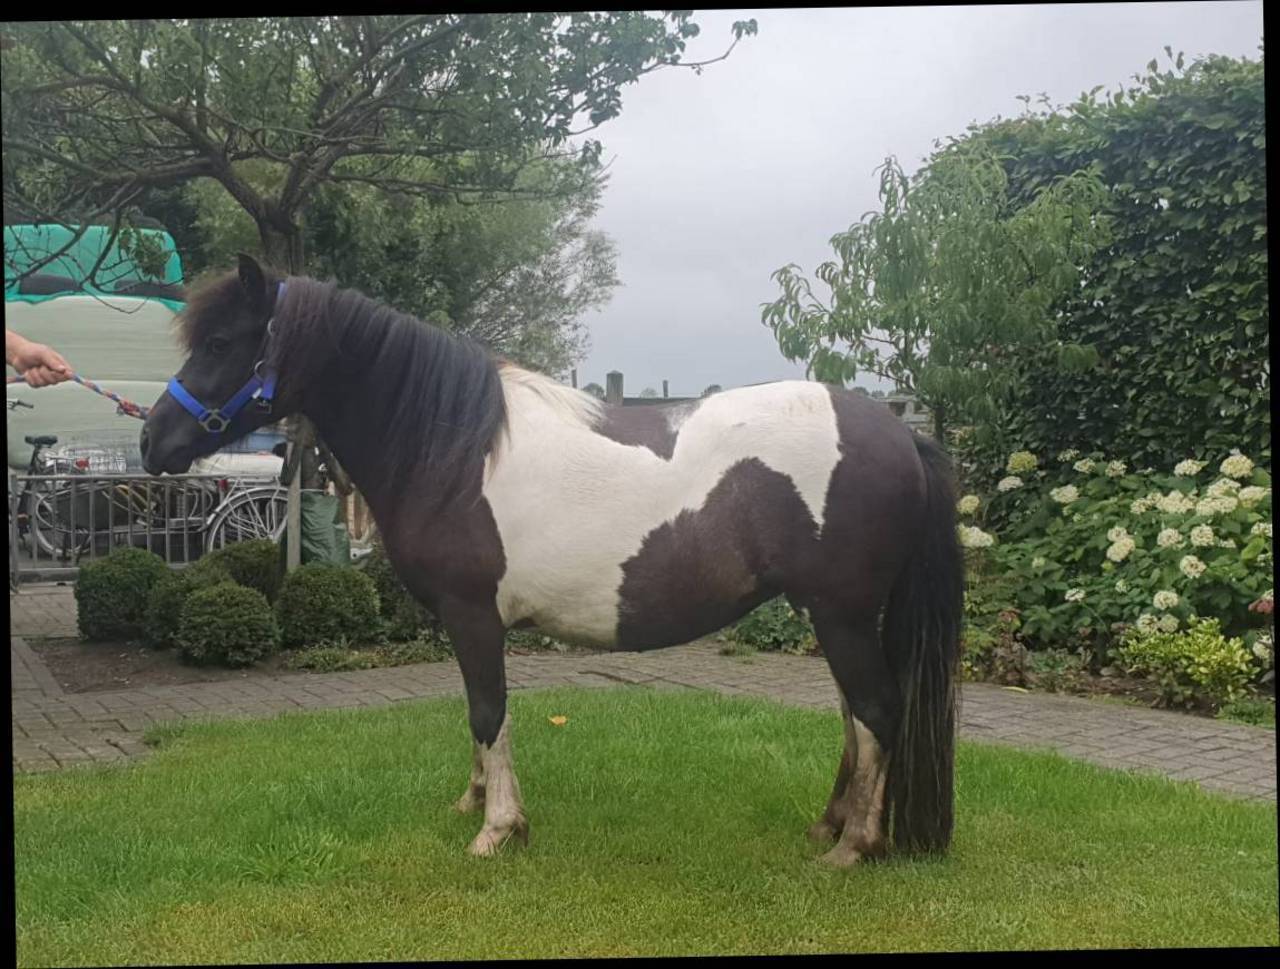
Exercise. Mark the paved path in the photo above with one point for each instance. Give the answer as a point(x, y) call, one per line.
point(53, 729)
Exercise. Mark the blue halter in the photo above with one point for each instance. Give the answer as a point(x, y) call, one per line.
point(260, 387)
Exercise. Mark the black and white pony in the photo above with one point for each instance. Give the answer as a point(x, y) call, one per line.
point(507, 499)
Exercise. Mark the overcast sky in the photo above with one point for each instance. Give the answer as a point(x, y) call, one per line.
point(718, 180)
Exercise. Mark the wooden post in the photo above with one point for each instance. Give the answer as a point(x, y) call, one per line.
point(664, 389)
point(613, 387)
point(293, 518)
point(573, 377)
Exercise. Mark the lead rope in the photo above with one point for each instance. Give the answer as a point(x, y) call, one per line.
point(123, 406)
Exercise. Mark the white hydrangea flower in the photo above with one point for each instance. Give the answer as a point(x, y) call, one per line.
point(1119, 550)
point(968, 504)
point(1222, 487)
point(1188, 468)
point(1169, 538)
point(1085, 465)
point(1122, 585)
point(1208, 507)
point(973, 537)
point(1165, 599)
point(1074, 595)
point(1147, 623)
point(1139, 506)
point(1236, 466)
point(1117, 533)
point(1070, 454)
point(1252, 495)
point(1038, 562)
point(1020, 461)
point(1261, 528)
point(1191, 567)
point(1226, 543)
point(1202, 536)
point(1065, 495)
point(1176, 503)
point(1262, 647)
point(1011, 483)
point(1167, 624)
point(1116, 469)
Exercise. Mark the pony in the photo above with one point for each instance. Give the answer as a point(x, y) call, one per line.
point(506, 499)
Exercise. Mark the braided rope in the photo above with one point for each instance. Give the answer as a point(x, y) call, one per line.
point(123, 406)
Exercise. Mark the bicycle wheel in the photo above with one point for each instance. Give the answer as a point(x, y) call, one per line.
point(50, 524)
point(255, 513)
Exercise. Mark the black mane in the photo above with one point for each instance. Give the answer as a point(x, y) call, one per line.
point(432, 400)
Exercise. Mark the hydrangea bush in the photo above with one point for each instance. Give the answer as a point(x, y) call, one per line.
point(1089, 548)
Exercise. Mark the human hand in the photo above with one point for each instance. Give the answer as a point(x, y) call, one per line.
point(39, 365)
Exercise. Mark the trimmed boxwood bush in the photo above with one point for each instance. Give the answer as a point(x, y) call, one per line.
point(112, 593)
point(323, 603)
point(254, 563)
point(403, 617)
point(169, 595)
point(227, 624)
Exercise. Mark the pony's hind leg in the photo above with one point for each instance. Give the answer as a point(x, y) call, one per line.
point(872, 711)
point(477, 634)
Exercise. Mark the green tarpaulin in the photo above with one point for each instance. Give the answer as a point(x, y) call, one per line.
point(324, 534)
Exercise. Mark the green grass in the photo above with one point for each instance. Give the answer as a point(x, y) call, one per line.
point(1256, 711)
point(664, 823)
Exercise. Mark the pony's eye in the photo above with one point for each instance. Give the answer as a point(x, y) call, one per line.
point(218, 345)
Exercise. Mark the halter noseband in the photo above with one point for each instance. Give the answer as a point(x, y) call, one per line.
point(260, 388)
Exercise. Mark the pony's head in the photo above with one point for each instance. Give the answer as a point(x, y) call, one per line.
point(226, 387)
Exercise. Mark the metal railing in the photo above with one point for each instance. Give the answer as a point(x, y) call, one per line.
point(59, 521)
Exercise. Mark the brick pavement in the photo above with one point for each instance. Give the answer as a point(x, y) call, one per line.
point(53, 729)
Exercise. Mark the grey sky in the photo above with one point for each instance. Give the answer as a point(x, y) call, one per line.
point(718, 180)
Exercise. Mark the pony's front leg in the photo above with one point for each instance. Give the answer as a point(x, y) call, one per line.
point(478, 635)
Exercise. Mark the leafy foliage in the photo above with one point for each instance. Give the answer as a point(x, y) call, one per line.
point(944, 288)
point(111, 593)
point(228, 625)
point(254, 563)
point(1195, 665)
point(169, 595)
point(321, 603)
point(1084, 548)
point(1176, 305)
point(774, 626)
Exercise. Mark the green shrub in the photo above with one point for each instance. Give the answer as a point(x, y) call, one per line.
point(169, 594)
point(112, 593)
point(340, 657)
point(323, 603)
point(404, 617)
point(254, 563)
point(775, 627)
point(1199, 665)
point(227, 624)
point(1084, 547)
point(1255, 711)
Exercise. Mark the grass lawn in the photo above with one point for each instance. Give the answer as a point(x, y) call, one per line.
point(663, 823)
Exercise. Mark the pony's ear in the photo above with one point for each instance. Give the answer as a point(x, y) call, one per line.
point(253, 280)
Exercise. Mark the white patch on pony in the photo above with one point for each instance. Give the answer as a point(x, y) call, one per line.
point(572, 506)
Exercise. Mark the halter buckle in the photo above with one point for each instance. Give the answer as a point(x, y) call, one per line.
point(214, 422)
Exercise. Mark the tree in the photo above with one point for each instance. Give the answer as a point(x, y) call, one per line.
point(648, 392)
point(945, 287)
point(711, 389)
point(96, 114)
point(518, 276)
point(595, 390)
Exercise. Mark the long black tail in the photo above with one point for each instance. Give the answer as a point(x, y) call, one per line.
point(921, 635)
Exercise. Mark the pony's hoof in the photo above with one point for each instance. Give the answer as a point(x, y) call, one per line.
point(822, 831)
point(491, 839)
point(842, 856)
